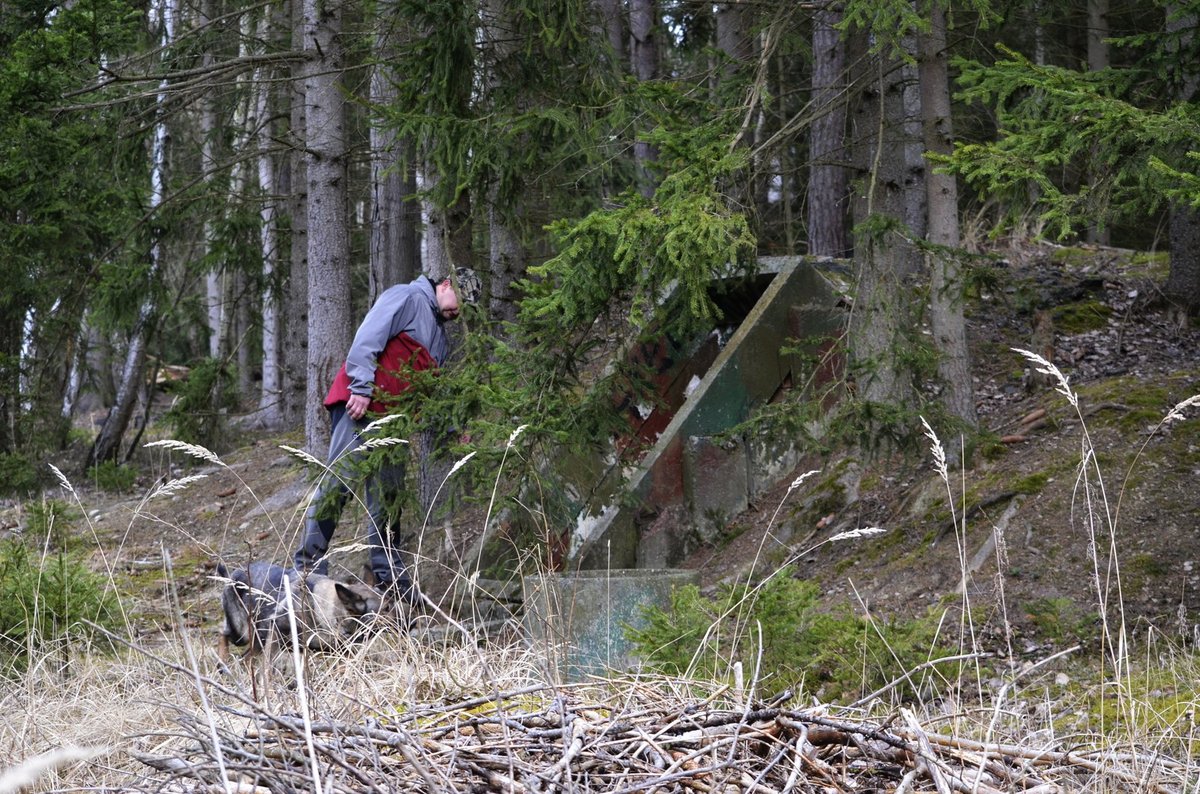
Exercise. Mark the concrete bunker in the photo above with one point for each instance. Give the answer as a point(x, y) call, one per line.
point(643, 510)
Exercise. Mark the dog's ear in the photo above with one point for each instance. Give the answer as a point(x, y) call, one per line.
point(354, 601)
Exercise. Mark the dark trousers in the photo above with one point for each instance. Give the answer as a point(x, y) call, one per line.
point(386, 545)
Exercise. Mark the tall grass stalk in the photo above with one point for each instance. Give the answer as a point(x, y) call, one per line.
point(966, 617)
point(1100, 522)
point(1100, 526)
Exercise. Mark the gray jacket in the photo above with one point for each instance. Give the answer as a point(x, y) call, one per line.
point(401, 309)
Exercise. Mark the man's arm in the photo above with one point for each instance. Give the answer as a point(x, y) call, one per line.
point(370, 339)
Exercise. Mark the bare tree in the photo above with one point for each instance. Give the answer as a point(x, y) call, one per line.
point(108, 442)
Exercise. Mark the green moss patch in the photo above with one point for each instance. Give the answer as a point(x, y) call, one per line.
point(1077, 318)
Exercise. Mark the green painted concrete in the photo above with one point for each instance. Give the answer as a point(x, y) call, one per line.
point(684, 468)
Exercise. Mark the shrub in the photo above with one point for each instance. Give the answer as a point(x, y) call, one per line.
point(835, 654)
point(1062, 620)
point(52, 519)
point(198, 414)
point(17, 474)
point(45, 600)
point(111, 476)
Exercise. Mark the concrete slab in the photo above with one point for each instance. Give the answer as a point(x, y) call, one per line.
point(798, 302)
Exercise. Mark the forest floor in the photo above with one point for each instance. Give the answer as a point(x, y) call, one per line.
point(1043, 542)
point(1022, 496)
point(1025, 550)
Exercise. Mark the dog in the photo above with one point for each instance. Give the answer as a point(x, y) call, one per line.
point(327, 614)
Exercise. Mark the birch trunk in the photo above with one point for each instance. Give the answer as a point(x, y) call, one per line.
point(108, 442)
point(214, 281)
point(270, 396)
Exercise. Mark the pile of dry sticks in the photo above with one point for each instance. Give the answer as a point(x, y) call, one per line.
point(629, 738)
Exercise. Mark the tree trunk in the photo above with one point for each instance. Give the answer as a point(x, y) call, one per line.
point(614, 28)
point(916, 207)
point(883, 302)
point(395, 252)
point(644, 23)
point(946, 290)
point(506, 254)
point(10, 380)
point(829, 180)
point(214, 282)
point(447, 232)
point(107, 445)
point(1182, 289)
point(1183, 280)
point(293, 183)
point(1097, 59)
point(329, 310)
point(270, 398)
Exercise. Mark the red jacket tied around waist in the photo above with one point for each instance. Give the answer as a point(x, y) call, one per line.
point(402, 354)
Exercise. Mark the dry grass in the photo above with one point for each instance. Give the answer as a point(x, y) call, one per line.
point(446, 708)
point(438, 714)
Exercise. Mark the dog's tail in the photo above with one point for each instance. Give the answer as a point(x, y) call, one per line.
point(237, 604)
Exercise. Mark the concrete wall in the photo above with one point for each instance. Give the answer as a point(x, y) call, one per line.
point(690, 480)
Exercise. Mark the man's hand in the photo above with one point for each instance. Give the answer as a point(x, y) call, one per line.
point(357, 405)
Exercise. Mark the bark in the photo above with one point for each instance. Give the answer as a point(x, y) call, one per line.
point(293, 183)
point(506, 254)
point(270, 388)
point(76, 365)
point(916, 207)
point(829, 180)
point(1182, 289)
point(1097, 60)
point(107, 444)
point(329, 310)
point(447, 232)
point(214, 284)
point(245, 150)
point(395, 252)
point(883, 301)
point(1183, 280)
point(735, 35)
point(736, 40)
point(614, 28)
point(506, 263)
point(644, 23)
point(242, 326)
point(10, 385)
point(945, 274)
